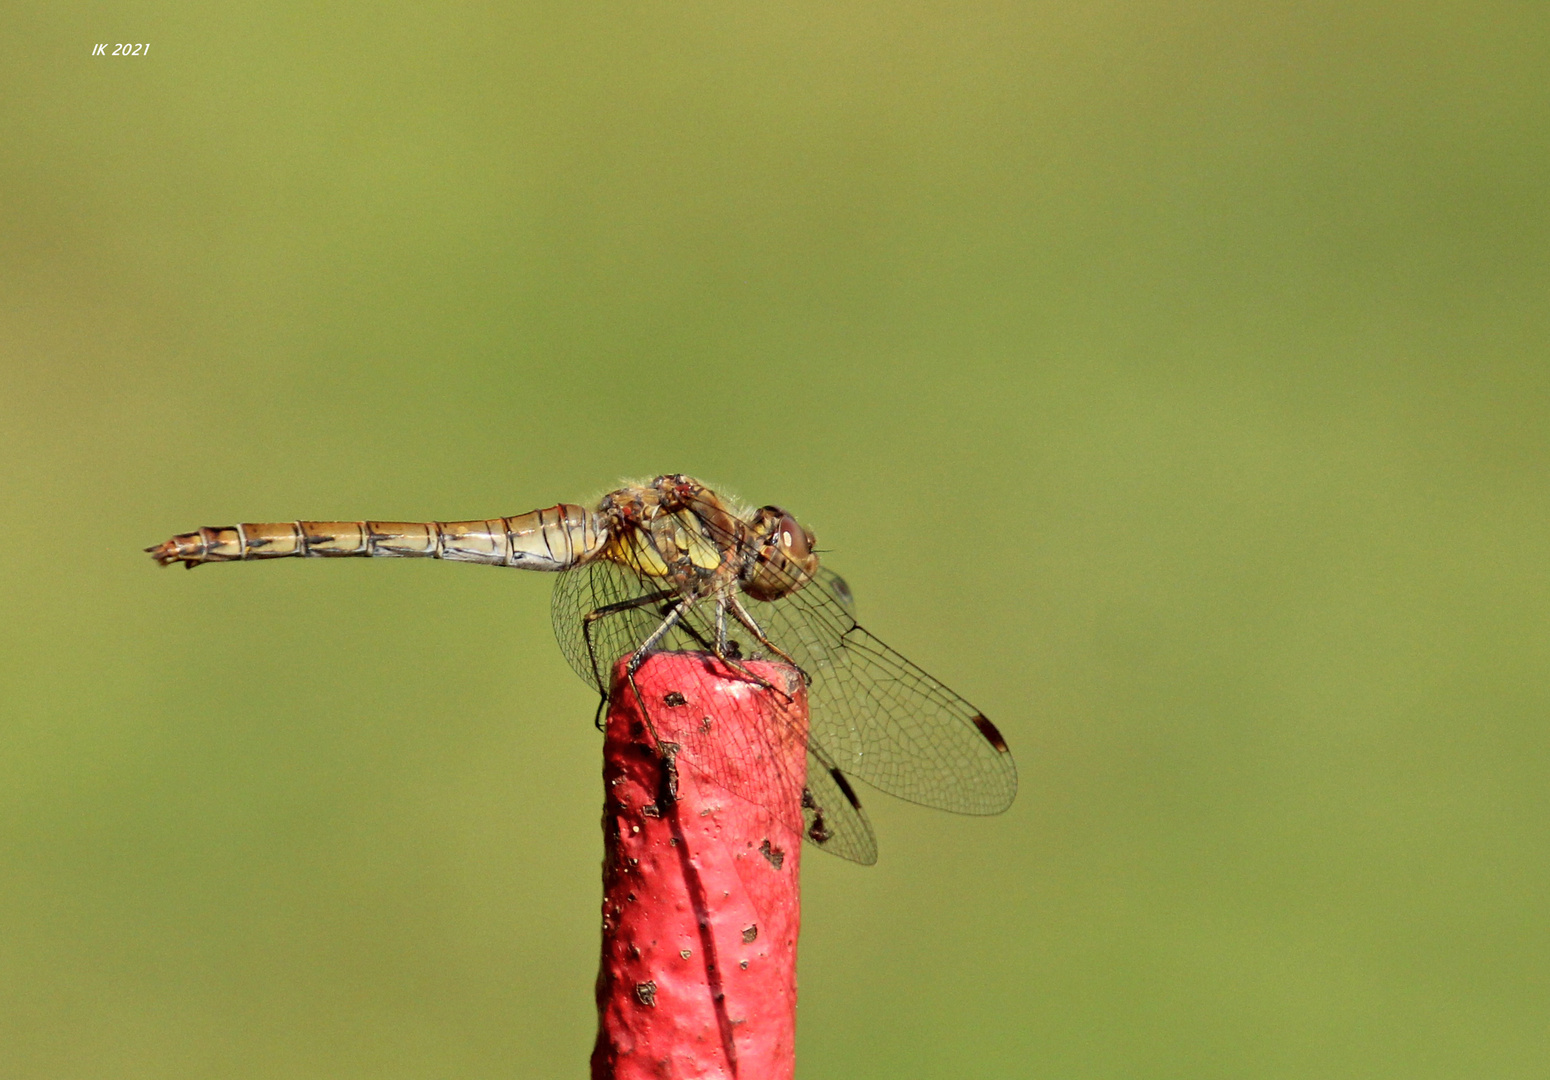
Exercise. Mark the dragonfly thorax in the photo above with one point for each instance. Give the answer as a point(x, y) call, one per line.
point(675, 529)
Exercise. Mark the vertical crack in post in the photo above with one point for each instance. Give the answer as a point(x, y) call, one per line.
point(701, 910)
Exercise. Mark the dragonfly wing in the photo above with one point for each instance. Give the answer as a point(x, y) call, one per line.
point(837, 587)
point(882, 718)
point(593, 646)
point(834, 820)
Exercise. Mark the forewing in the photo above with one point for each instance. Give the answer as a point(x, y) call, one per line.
point(883, 719)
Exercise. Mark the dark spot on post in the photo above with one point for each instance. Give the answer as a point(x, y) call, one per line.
point(773, 854)
point(673, 699)
point(669, 785)
point(750, 932)
point(818, 832)
point(992, 736)
point(647, 993)
point(651, 810)
point(743, 964)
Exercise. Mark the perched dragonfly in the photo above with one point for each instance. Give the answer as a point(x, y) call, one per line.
point(671, 565)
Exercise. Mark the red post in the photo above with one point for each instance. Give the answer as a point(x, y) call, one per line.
point(701, 906)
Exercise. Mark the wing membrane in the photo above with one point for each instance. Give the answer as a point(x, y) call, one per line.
point(841, 828)
point(873, 714)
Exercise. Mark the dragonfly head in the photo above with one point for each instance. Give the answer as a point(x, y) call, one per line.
point(784, 559)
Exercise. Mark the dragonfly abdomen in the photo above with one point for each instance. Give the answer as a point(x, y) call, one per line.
point(555, 538)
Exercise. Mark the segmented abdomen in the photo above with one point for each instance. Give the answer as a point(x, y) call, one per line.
point(555, 538)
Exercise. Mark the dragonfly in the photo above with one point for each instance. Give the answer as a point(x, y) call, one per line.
point(670, 565)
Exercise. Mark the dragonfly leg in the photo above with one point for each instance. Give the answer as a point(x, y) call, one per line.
point(603, 612)
point(679, 610)
point(727, 656)
point(753, 628)
point(667, 750)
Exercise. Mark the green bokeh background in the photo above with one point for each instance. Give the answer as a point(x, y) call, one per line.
point(1170, 378)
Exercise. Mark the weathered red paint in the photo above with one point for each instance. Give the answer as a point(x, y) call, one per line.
point(701, 905)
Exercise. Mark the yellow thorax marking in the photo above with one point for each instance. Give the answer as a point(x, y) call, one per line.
point(691, 540)
point(640, 555)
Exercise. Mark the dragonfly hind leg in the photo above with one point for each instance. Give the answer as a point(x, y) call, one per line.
point(668, 751)
point(675, 614)
point(632, 604)
point(593, 616)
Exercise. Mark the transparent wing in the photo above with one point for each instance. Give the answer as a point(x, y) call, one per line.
point(593, 647)
point(832, 818)
point(881, 718)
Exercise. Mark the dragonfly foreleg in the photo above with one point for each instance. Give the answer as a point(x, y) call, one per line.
point(729, 656)
point(753, 628)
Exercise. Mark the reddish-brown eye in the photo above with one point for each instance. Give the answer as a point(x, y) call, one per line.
point(794, 539)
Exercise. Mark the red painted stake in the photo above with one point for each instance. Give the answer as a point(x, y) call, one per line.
point(700, 892)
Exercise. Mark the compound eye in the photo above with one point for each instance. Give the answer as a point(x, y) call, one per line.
point(795, 541)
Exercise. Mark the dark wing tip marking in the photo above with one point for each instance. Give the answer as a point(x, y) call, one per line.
point(992, 735)
point(844, 785)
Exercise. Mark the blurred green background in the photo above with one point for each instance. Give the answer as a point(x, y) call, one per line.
point(1170, 378)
